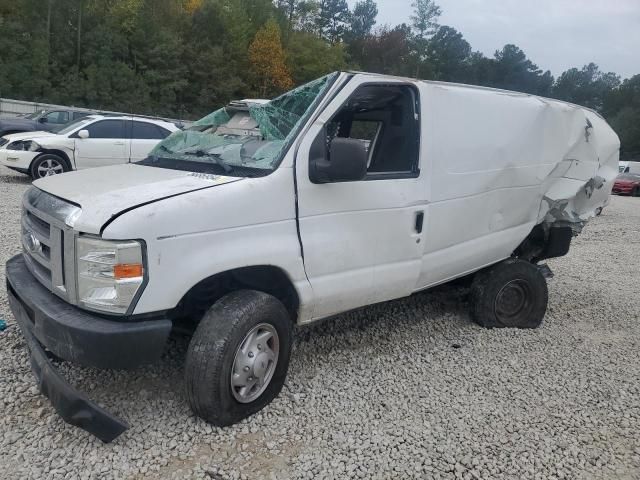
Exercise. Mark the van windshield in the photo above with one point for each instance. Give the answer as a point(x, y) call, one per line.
point(246, 138)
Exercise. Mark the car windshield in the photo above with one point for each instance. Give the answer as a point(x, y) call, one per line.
point(242, 139)
point(71, 126)
point(33, 116)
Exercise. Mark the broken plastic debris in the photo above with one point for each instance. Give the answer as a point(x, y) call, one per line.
point(3, 325)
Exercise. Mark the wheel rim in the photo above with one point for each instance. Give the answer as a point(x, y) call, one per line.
point(514, 302)
point(255, 363)
point(50, 167)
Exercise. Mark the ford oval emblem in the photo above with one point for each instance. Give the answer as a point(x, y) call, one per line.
point(32, 243)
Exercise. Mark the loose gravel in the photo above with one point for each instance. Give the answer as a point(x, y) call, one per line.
point(407, 389)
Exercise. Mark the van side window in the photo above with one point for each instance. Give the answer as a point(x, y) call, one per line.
point(385, 119)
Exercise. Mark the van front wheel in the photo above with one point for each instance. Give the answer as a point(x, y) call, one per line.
point(238, 357)
point(511, 294)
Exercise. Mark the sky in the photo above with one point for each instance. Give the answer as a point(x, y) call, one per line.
point(555, 34)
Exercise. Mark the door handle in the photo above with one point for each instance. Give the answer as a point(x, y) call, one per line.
point(119, 143)
point(419, 221)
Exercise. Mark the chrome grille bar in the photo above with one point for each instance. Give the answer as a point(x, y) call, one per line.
point(48, 241)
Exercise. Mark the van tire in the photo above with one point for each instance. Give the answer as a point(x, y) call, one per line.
point(511, 294)
point(215, 346)
point(47, 162)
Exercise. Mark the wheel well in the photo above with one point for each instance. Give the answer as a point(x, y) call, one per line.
point(543, 243)
point(264, 278)
point(59, 153)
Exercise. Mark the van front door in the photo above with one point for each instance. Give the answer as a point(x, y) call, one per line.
point(362, 240)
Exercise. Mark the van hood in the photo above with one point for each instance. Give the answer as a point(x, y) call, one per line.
point(103, 193)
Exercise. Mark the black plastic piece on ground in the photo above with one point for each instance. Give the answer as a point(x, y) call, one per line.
point(545, 271)
point(70, 404)
point(50, 325)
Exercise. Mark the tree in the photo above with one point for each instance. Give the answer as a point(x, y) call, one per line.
point(268, 60)
point(424, 22)
point(448, 54)
point(387, 51)
point(514, 71)
point(310, 57)
point(363, 19)
point(588, 86)
point(333, 16)
point(622, 109)
point(425, 18)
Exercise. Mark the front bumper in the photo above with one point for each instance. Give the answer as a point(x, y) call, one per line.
point(47, 322)
point(17, 159)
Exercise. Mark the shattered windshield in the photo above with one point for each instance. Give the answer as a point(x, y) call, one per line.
point(241, 137)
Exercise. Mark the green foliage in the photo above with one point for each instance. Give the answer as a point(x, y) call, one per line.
point(310, 57)
point(587, 87)
point(362, 19)
point(332, 18)
point(622, 108)
point(188, 57)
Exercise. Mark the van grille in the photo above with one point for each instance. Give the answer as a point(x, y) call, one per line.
point(48, 242)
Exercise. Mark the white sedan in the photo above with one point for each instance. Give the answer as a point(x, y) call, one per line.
point(93, 141)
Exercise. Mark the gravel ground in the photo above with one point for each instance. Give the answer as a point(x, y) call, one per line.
point(408, 389)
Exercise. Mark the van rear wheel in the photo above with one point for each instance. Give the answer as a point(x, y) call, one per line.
point(238, 358)
point(511, 294)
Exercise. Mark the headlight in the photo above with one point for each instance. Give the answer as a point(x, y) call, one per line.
point(110, 273)
point(25, 146)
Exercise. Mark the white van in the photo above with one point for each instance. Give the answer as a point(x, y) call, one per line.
point(353, 189)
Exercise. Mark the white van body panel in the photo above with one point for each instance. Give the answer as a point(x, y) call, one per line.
point(498, 162)
point(196, 235)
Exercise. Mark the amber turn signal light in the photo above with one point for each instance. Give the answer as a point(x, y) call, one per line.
point(127, 270)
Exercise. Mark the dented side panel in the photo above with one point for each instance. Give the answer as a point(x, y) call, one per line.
point(500, 163)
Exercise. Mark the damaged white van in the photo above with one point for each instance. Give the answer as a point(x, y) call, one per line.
point(350, 190)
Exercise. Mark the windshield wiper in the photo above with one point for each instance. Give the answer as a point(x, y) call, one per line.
point(213, 156)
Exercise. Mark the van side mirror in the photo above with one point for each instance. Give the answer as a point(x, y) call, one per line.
point(83, 133)
point(344, 161)
point(43, 120)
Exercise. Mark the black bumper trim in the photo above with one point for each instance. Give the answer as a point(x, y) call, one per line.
point(71, 405)
point(47, 322)
point(81, 337)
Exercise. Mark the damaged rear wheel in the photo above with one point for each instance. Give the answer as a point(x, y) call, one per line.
point(511, 294)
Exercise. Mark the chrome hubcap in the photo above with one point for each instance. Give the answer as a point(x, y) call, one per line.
point(49, 167)
point(255, 363)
